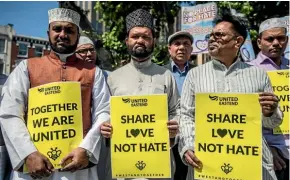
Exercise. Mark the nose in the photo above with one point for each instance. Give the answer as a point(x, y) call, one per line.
point(140, 40)
point(275, 42)
point(62, 34)
point(89, 53)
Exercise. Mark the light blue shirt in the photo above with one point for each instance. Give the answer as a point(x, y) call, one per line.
point(179, 75)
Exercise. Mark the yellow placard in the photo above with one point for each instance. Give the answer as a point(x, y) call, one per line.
point(228, 136)
point(280, 83)
point(140, 141)
point(55, 119)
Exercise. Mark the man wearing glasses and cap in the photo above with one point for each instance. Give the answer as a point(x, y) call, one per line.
point(86, 50)
point(272, 42)
point(226, 73)
point(60, 65)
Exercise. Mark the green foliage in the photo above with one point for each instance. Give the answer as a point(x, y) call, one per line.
point(114, 13)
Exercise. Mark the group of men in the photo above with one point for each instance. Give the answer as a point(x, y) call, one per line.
point(72, 58)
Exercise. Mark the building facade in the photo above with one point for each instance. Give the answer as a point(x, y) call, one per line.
point(24, 47)
point(6, 36)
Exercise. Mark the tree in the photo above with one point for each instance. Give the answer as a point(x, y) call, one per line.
point(114, 14)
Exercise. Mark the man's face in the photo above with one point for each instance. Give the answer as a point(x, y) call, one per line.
point(140, 42)
point(87, 53)
point(224, 41)
point(63, 37)
point(273, 42)
point(180, 50)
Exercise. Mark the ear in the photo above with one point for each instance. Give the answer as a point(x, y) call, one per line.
point(259, 43)
point(240, 40)
point(47, 33)
point(126, 41)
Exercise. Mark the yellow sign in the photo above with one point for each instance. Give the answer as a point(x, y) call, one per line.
point(280, 83)
point(228, 136)
point(55, 119)
point(140, 141)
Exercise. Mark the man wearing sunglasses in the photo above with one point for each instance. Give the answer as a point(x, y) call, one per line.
point(226, 73)
point(272, 42)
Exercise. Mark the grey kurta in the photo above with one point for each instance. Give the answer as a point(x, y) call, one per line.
point(215, 77)
point(144, 79)
point(16, 135)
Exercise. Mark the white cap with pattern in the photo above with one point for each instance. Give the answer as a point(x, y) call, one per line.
point(271, 23)
point(85, 40)
point(62, 14)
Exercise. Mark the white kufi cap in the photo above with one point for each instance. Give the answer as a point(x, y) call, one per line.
point(62, 14)
point(85, 40)
point(271, 23)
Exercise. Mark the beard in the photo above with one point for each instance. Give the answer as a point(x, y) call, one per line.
point(65, 49)
point(140, 51)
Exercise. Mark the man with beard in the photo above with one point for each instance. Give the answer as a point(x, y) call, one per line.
point(272, 42)
point(226, 73)
point(60, 65)
point(141, 76)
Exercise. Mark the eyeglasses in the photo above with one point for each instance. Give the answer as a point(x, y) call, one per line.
point(85, 51)
point(217, 35)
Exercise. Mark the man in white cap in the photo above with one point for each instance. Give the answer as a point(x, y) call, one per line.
point(60, 65)
point(141, 76)
point(86, 50)
point(272, 42)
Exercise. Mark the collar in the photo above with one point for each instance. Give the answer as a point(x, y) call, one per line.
point(262, 59)
point(175, 67)
point(63, 57)
point(140, 65)
point(220, 65)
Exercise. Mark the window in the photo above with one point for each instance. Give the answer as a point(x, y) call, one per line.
point(38, 51)
point(2, 45)
point(22, 49)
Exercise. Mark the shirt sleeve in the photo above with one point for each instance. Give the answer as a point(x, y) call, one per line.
point(100, 114)
point(187, 116)
point(12, 111)
point(277, 117)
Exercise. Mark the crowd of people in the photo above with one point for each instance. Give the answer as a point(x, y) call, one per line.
point(73, 58)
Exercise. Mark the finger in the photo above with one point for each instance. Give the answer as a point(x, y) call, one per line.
point(107, 125)
point(268, 98)
point(266, 94)
point(173, 127)
point(281, 162)
point(48, 165)
point(172, 122)
point(268, 103)
point(104, 128)
point(277, 165)
point(190, 161)
point(105, 133)
point(194, 158)
point(70, 166)
point(70, 156)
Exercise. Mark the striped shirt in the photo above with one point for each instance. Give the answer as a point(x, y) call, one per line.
point(216, 77)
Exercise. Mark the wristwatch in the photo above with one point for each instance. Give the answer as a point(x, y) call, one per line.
point(89, 154)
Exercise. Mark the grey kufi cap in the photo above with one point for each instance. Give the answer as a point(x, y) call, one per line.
point(180, 34)
point(62, 14)
point(271, 23)
point(139, 18)
point(85, 40)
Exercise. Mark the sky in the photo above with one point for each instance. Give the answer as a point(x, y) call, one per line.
point(29, 18)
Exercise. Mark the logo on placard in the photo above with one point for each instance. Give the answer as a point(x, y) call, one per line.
point(136, 102)
point(49, 90)
point(226, 168)
point(140, 165)
point(232, 101)
point(54, 153)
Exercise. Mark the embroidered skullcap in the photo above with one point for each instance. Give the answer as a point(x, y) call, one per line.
point(271, 23)
point(85, 40)
point(62, 14)
point(139, 18)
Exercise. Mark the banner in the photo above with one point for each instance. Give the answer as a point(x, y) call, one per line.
point(280, 83)
point(247, 50)
point(287, 50)
point(55, 119)
point(140, 141)
point(197, 20)
point(228, 136)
